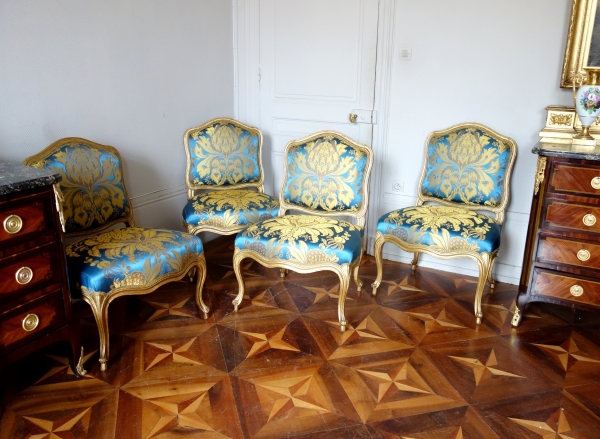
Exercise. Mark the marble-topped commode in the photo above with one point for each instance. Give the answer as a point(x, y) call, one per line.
point(566, 150)
point(14, 178)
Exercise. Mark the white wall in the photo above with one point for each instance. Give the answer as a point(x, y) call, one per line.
point(492, 62)
point(134, 74)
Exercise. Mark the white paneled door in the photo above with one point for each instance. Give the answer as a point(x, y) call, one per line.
point(317, 68)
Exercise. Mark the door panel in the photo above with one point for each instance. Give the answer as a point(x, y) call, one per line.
point(317, 66)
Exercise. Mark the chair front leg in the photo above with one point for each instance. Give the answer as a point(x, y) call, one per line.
point(237, 268)
point(485, 262)
point(99, 303)
point(344, 275)
point(378, 253)
point(283, 272)
point(201, 277)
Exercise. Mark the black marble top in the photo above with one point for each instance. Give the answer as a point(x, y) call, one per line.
point(567, 150)
point(15, 178)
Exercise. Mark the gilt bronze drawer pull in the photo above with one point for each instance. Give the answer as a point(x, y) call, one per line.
point(589, 220)
point(13, 224)
point(583, 255)
point(30, 322)
point(24, 275)
point(576, 290)
point(596, 182)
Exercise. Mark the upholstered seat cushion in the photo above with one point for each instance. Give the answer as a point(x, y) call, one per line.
point(227, 208)
point(304, 239)
point(132, 256)
point(443, 228)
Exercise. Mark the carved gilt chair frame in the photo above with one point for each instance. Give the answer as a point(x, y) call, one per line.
point(484, 260)
point(99, 301)
point(344, 271)
point(194, 189)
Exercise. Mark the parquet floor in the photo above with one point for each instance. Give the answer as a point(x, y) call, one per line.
point(412, 364)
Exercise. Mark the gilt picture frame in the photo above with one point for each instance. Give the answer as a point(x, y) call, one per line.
point(583, 40)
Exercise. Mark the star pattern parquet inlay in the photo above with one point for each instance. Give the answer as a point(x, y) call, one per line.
point(411, 364)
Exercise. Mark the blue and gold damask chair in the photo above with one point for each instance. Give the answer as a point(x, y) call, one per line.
point(326, 176)
point(467, 170)
point(123, 261)
point(224, 177)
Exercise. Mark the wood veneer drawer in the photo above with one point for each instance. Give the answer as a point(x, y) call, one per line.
point(32, 320)
point(28, 269)
point(573, 216)
point(570, 288)
point(20, 220)
point(564, 251)
point(578, 179)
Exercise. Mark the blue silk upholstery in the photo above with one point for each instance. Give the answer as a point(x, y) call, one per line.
point(226, 208)
point(92, 186)
point(304, 239)
point(443, 228)
point(466, 166)
point(325, 174)
point(132, 256)
point(223, 154)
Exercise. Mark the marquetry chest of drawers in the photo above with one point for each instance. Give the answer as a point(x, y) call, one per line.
point(561, 263)
point(35, 306)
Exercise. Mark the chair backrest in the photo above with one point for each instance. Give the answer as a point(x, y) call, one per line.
point(326, 173)
point(468, 165)
point(223, 154)
point(93, 192)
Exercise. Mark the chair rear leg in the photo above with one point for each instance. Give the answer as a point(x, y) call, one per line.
point(283, 272)
point(357, 280)
point(491, 280)
point(377, 252)
point(414, 262)
point(192, 274)
point(201, 277)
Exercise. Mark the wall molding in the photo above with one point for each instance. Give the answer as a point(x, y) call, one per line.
point(158, 196)
point(246, 21)
point(383, 81)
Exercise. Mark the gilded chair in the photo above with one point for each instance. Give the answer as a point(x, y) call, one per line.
point(121, 261)
point(224, 177)
point(467, 170)
point(326, 175)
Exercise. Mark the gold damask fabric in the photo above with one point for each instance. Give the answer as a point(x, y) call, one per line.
point(230, 208)
point(305, 239)
point(467, 166)
point(326, 174)
point(92, 186)
point(223, 154)
point(442, 227)
point(132, 256)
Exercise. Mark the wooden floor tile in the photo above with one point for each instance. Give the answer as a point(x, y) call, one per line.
point(487, 369)
point(412, 363)
point(547, 415)
point(298, 398)
point(561, 353)
point(85, 408)
point(393, 384)
point(458, 423)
